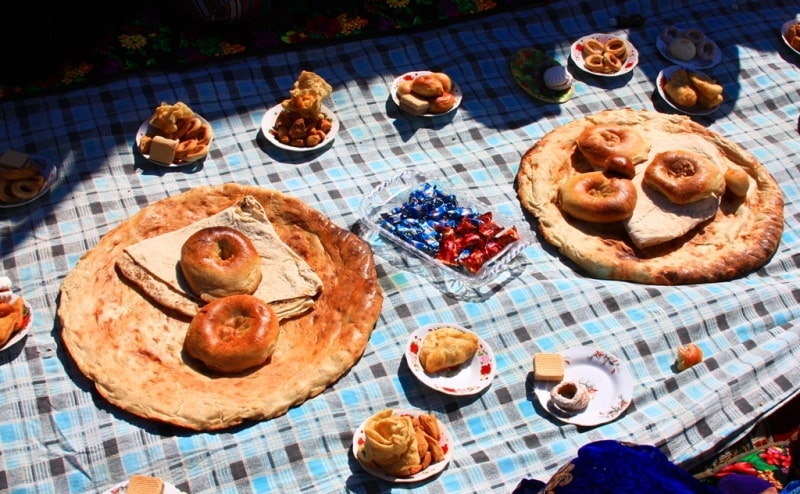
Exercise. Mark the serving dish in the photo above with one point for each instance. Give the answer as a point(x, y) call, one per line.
point(664, 76)
point(122, 488)
point(528, 66)
point(146, 129)
point(271, 116)
point(576, 54)
point(604, 376)
point(27, 316)
point(385, 199)
point(445, 441)
point(410, 76)
point(469, 378)
point(785, 29)
point(696, 63)
point(49, 171)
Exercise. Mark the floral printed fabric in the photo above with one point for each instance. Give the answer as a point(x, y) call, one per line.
point(165, 35)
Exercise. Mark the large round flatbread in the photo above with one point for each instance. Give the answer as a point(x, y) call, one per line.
point(741, 237)
point(132, 348)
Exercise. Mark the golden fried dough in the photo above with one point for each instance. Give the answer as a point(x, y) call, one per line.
point(679, 89)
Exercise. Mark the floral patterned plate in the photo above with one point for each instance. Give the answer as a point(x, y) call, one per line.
point(445, 441)
point(606, 379)
point(271, 116)
point(528, 66)
point(410, 76)
point(469, 378)
point(49, 172)
point(576, 53)
point(27, 315)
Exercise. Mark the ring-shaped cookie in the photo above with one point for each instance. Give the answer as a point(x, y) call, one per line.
point(570, 396)
point(592, 46)
point(594, 62)
point(706, 50)
point(611, 63)
point(669, 33)
point(5, 192)
point(694, 35)
point(684, 176)
point(618, 47)
point(600, 142)
point(597, 197)
point(26, 189)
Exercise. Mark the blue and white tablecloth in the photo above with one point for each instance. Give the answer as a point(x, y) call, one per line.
point(57, 435)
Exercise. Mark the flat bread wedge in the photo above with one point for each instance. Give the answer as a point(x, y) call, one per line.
point(131, 346)
point(729, 238)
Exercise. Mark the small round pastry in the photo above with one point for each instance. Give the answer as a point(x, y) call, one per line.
point(233, 334)
point(706, 50)
point(427, 86)
point(616, 46)
point(600, 142)
point(557, 78)
point(611, 64)
point(592, 46)
point(442, 104)
point(684, 176)
point(597, 197)
point(669, 33)
point(688, 356)
point(620, 165)
point(682, 49)
point(737, 181)
point(447, 83)
point(404, 87)
point(569, 396)
point(594, 62)
point(219, 261)
point(694, 35)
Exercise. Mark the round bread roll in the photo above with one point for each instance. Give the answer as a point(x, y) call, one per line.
point(447, 83)
point(427, 86)
point(596, 197)
point(442, 103)
point(737, 181)
point(620, 165)
point(220, 261)
point(600, 142)
point(233, 334)
point(684, 176)
point(570, 396)
point(404, 87)
point(682, 49)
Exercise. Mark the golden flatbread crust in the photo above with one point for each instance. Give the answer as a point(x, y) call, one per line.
point(741, 238)
point(132, 348)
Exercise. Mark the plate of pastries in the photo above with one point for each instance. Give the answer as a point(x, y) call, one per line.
point(450, 359)
point(15, 315)
point(301, 123)
point(541, 76)
point(690, 91)
point(604, 55)
point(689, 48)
point(174, 135)
point(142, 484)
point(790, 33)
point(403, 445)
point(24, 178)
point(426, 93)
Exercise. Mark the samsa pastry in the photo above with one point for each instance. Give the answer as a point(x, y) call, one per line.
point(11, 317)
point(679, 88)
point(390, 444)
point(446, 347)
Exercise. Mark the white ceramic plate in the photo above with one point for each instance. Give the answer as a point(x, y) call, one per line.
point(122, 488)
point(445, 441)
point(49, 171)
point(696, 63)
point(271, 116)
point(604, 376)
point(410, 76)
point(468, 378)
point(662, 79)
point(145, 129)
point(27, 316)
point(576, 53)
point(784, 29)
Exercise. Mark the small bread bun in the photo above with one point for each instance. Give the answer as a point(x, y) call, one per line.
point(600, 142)
point(569, 396)
point(597, 197)
point(447, 83)
point(442, 104)
point(682, 49)
point(233, 334)
point(737, 181)
point(220, 261)
point(688, 356)
point(620, 165)
point(404, 87)
point(427, 86)
point(684, 176)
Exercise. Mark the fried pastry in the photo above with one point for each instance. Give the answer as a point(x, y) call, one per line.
point(679, 89)
point(705, 85)
point(390, 444)
point(10, 319)
point(446, 347)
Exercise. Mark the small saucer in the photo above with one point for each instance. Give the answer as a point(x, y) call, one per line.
point(49, 171)
point(122, 488)
point(445, 441)
point(146, 129)
point(27, 316)
point(603, 375)
point(662, 79)
point(576, 53)
point(785, 29)
point(469, 378)
point(528, 66)
point(696, 63)
point(410, 76)
point(271, 116)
